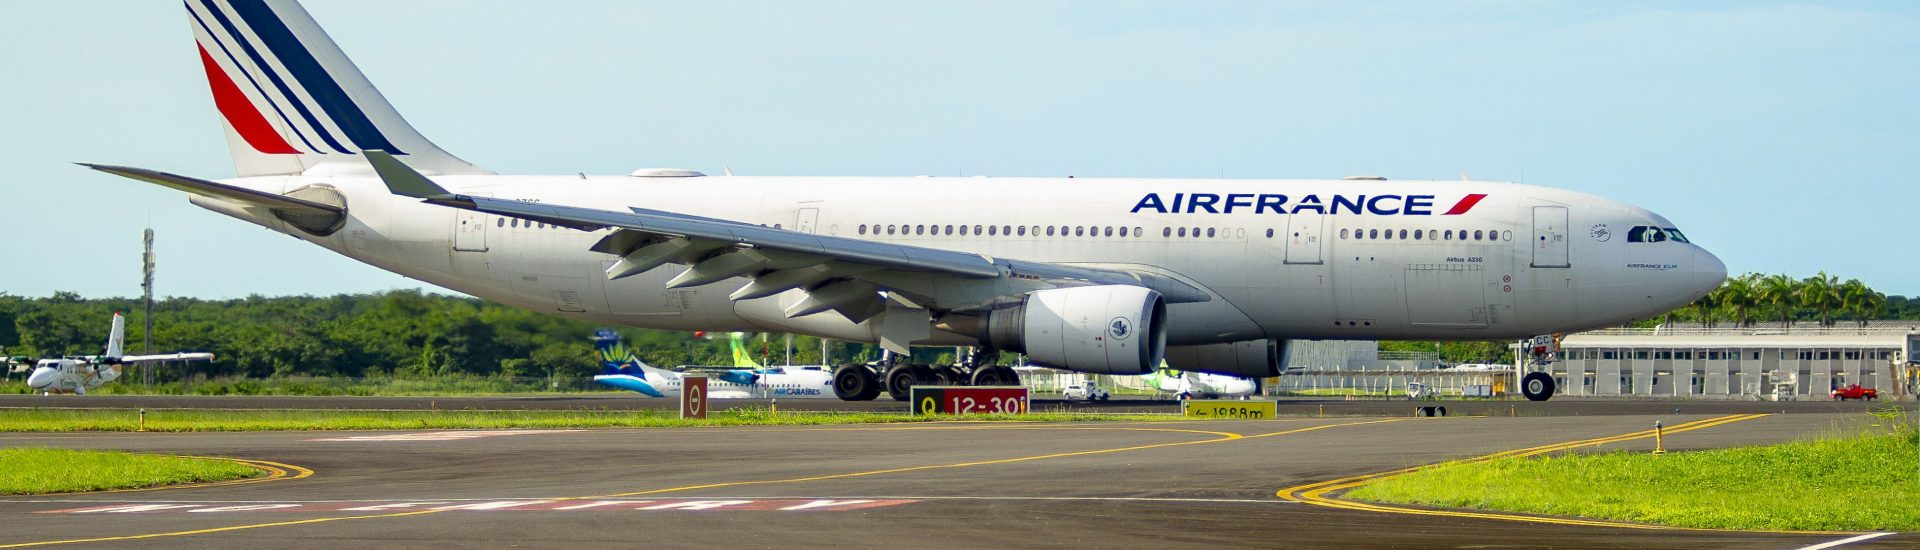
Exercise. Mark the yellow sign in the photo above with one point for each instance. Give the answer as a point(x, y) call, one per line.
point(1242, 410)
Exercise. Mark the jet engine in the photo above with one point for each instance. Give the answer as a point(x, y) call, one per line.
point(1246, 359)
point(1105, 329)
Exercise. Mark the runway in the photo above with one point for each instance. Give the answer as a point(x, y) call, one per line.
point(950, 485)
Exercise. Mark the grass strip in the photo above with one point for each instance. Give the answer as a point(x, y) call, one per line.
point(214, 420)
point(1860, 481)
point(31, 471)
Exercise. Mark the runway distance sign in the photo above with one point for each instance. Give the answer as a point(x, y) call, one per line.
point(693, 397)
point(969, 400)
point(1221, 408)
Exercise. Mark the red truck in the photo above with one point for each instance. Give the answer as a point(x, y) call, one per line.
point(1854, 391)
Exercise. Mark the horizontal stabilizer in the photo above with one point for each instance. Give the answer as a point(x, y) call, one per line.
point(220, 190)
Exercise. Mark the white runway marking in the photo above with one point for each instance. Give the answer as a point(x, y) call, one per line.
point(497, 506)
point(441, 436)
point(1848, 540)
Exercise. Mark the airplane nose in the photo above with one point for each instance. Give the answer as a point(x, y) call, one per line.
point(1708, 272)
point(41, 377)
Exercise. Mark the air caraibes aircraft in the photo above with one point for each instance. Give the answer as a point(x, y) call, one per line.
point(1092, 275)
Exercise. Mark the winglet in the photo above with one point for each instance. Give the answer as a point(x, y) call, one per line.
point(401, 179)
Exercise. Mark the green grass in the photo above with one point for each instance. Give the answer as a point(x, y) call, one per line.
point(205, 420)
point(28, 471)
point(1864, 481)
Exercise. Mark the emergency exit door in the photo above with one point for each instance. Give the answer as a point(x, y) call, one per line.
point(807, 220)
point(1550, 236)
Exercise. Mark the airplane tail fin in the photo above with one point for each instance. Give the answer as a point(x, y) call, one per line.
point(741, 357)
point(117, 339)
point(292, 101)
point(615, 358)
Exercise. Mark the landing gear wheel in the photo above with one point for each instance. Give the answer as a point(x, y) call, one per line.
point(946, 376)
point(903, 377)
point(852, 382)
point(995, 376)
point(1537, 386)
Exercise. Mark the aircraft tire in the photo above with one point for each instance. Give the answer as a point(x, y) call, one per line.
point(852, 382)
point(946, 376)
point(1537, 386)
point(995, 375)
point(900, 381)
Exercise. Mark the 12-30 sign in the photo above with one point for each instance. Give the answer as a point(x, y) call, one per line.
point(969, 400)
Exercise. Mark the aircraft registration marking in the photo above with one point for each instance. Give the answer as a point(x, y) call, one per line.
point(441, 436)
point(506, 505)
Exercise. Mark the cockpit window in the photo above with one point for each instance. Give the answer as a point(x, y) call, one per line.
point(1646, 234)
point(1674, 234)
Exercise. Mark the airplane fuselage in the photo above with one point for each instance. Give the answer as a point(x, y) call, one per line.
point(1309, 259)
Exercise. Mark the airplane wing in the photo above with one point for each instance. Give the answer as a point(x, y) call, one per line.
point(166, 357)
point(854, 277)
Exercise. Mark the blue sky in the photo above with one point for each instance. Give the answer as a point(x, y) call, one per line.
point(1779, 135)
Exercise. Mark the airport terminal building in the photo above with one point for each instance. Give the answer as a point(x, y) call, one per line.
point(1760, 362)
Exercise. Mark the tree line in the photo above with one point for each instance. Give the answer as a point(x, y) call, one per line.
point(404, 333)
point(1822, 298)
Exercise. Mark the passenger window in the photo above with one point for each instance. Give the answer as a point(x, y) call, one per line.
point(1506, 235)
point(1166, 232)
point(1049, 231)
point(919, 230)
point(992, 230)
point(863, 229)
point(976, 230)
point(499, 222)
point(963, 230)
point(890, 230)
point(1403, 234)
point(1388, 235)
point(1343, 234)
point(1023, 231)
point(1479, 235)
point(1417, 234)
point(1183, 232)
point(1108, 232)
point(1079, 231)
point(1209, 232)
point(1123, 231)
point(1137, 231)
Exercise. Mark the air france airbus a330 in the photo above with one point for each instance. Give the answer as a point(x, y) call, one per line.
point(1092, 275)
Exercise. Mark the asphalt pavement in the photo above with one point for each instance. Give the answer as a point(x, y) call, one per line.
point(947, 485)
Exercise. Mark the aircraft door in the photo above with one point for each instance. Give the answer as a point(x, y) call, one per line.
point(470, 229)
point(807, 220)
point(1303, 237)
point(1550, 236)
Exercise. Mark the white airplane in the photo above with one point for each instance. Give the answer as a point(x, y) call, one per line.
point(1092, 275)
point(620, 368)
point(1188, 385)
point(77, 375)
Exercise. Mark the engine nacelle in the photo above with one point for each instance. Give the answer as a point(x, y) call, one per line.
point(1247, 359)
point(1106, 329)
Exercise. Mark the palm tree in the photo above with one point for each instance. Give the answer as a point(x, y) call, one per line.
point(1739, 295)
point(1704, 307)
point(1779, 291)
point(1861, 301)
point(1821, 293)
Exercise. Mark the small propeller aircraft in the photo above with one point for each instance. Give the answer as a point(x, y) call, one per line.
point(77, 374)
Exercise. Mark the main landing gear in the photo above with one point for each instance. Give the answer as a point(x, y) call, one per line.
point(865, 381)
